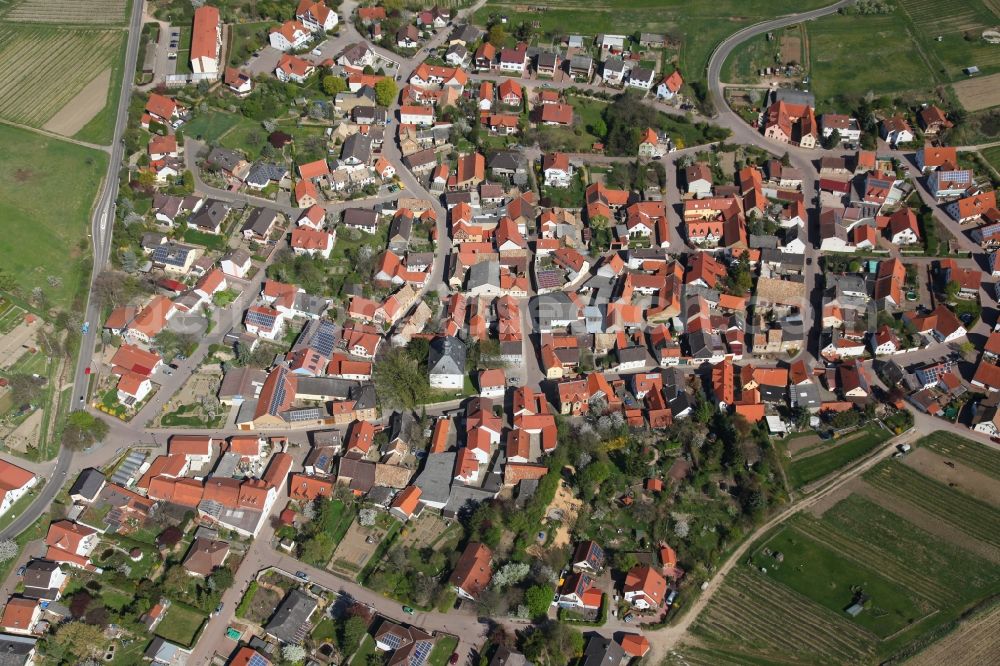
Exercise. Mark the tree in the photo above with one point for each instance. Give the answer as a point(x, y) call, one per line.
point(83, 429)
point(400, 381)
point(951, 290)
point(222, 578)
point(80, 638)
point(497, 35)
point(317, 549)
point(333, 85)
point(509, 574)
point(293, 653)
point(833, 140)
point(351, 633)
point(386, 92)
point(25, 389)
point(8, 550)
point(538, 598)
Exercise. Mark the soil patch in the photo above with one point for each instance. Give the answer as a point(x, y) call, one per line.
point(797, 445)
point(791, 49)
point(928, 522)
point(956, 475)
point(28, 433)
point(822, 505)
point(82, 108)
point(978, 93)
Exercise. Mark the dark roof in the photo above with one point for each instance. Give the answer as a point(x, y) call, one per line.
point(260, 221)
point(602, 651)
point(360, 217)
point(358, 147)
point(224, 158)
point(15, 650)
point(211, 215)
point(290, 621)
point(446, 356)
point(87, 484)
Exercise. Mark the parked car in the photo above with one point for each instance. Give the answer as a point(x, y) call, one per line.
point(302, 575)
point(409, 611)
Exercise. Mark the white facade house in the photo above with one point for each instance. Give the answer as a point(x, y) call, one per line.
point(289, 35)
point(15, 482)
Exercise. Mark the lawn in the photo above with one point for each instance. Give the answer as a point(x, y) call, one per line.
point(215, 242)
point(805, 470)
point(699, 27)
point(212, 124)
point(45, 245)
point(831, 580)
point(180, 625)
point(836, 70)
point(191, 416)
point(442, 650)
point(43, 67)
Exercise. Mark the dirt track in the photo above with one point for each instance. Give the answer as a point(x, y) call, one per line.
point(82, 108)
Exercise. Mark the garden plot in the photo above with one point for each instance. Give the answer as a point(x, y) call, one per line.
point(355, 549)
point(67, 12)
point(43, 68)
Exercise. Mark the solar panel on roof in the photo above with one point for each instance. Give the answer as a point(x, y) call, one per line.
point(257, 660)
point(421, 652)
point(392, 640)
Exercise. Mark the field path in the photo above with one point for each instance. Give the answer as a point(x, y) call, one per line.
point(53, 135)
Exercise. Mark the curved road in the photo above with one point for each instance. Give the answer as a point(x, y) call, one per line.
point(101, 225)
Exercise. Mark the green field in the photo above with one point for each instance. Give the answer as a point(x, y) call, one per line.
point(959, 25)
point(42, 67)
point(47, 189)
point(975, 518)
point(699, 27)
point(831, 580)
point(835, 43)
point(180, 624)
point(975, 455)
point(810, 468)
point(992, 155)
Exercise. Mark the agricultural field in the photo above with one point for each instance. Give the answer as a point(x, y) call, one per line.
point(978, 93)
point(791, 607)
point(754, 618)
point(698, 27)
point(960, 26)
point(815, 462)
point(44, 68)
point(977, 519)
point(976, 640)
point(836, 70)
point(34, 168)
point(64, 12)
